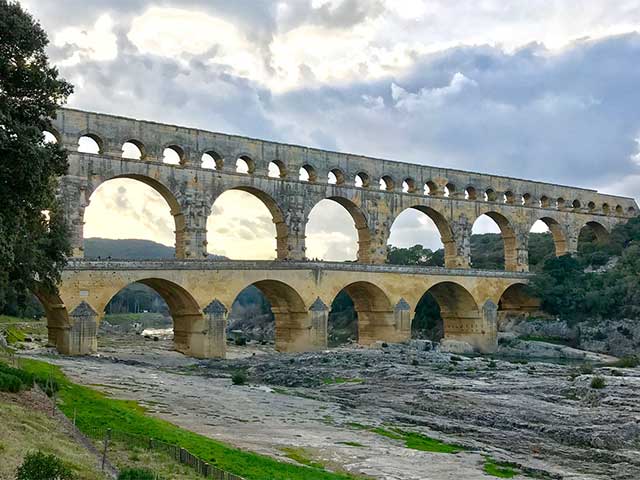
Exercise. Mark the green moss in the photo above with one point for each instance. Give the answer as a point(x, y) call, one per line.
point(500, 469)
point(416, 441)
point(95, 413)
point(339, 380)
point(14, 335)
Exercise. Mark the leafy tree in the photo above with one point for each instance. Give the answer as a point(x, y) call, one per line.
point(416, 255)
point(32, 246)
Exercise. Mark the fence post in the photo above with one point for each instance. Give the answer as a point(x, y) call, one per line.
point(106, 445)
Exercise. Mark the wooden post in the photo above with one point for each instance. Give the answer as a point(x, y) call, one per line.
point(106, 445)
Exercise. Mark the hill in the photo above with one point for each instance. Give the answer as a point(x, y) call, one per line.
point(130, 249)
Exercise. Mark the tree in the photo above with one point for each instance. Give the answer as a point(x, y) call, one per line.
point(40, 466)
point(33, 232)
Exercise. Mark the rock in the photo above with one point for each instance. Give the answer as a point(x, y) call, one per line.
point(456, 346)
point(421, 345)
point(536, 349)
point(3, 342)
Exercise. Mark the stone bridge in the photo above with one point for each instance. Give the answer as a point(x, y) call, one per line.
point(373, 191)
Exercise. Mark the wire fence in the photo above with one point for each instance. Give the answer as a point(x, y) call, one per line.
point(176, 452)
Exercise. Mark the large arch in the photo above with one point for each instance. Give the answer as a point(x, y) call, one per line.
point(275, 212)
point(558, 234)
point(363, 254)
point(443, 228)
point(293, 328)
point(508, 236)
point(592, 240)
point(374, 312)
point(175, 209)
point(515, 304)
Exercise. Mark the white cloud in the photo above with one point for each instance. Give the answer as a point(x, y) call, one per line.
point(97, 43)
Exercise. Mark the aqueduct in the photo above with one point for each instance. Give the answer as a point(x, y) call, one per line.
point(200, 291)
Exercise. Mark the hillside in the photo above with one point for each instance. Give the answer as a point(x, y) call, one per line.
point(130, 249)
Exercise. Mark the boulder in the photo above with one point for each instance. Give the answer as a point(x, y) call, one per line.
point(456, 346)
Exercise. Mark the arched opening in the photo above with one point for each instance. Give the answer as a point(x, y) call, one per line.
point(361, 312)
point(631, 211)
point(546, 239)
point(545, 202)
point(245, 165)
point(251, 319)
point(173, 155)
point(447, 310)
point(560, 203)
point(449, 190)
point(490, 195)
point(430, 188)
point(509, 197)
point(421, 236)
point(150, 221)
point(49, 137)
point(90, 143)
point(307, 174)
point(361, 180)
point(527, 199)
point(409, 185)
point(493, 243)
point(337, 230)
point(158, 304)
point(335, 177)
point(133, 149)
point(605, 208)
point(211, 160)
point(277, 169)
point(516, 304)
point(593, 240)
point(386, 183)
point(231, 233)
point(470, 193)
point(576, 204)
point(591, 206)
point(291, 322)
point(619, 210)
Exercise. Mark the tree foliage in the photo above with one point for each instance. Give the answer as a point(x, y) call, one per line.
point(33, 244)
point(40, 466)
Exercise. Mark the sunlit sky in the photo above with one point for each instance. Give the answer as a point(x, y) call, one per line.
point(542, 89)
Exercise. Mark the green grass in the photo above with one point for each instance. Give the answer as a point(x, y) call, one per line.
point(339, 380)
point(629, 361)
point(541, 338)
point(413, 440)
point(95, 412)
point(500, 469)
point(14, 335)
point(300, 455)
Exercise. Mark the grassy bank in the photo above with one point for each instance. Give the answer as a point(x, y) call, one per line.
point(94, 412)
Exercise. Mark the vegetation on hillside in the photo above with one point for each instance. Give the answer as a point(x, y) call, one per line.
point(33, 232)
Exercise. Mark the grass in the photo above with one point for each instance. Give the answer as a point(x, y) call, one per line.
point(629, 361)
point(95, 412)
point(541, 338)
point(30, 430)
point(340, 380)
point(301, 456)
point(412, 440)
point(500, 469)
point(598, 382)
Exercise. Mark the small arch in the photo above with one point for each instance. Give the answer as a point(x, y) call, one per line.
point(508, 197)
point(245, 165)
point(409, 185)
point(560, 203)
point(516, 301)
point(470, 193)
point(545, 202)
point(211, 160)
point(386, 183)
point(90, 143)
point(277, 169)
point(526, 199)
point(133, 149)
point(449, 189)
point(605, 208)
point(631, 211)
point(307, 174)
point(490, 195)
point(335, 177)
point(591, 206)
point(430, 188)
point(361, 180)
point(50, 136)
point(619, 210)
point(576, 204)
point(173, 155)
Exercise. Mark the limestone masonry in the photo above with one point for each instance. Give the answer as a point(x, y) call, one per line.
point(199, 292)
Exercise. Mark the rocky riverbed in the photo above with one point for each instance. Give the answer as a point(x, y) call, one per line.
point(545, 418)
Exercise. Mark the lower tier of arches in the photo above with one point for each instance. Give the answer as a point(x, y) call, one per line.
point(300, 296)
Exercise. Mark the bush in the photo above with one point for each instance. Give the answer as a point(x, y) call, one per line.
point(40, 466)
point(10, 383)
point(241, 341)
point(137, 474)
point(586, 369)
point(239, 377)
point(598, 382)
point(25, 377)
point(630, 361)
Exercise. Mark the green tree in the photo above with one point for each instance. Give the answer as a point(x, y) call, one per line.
point(33, 233)
point(416, 255)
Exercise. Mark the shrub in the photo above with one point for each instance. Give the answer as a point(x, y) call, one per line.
point(586, 369)
point(40, 466)
point(598, 382)
point(241, 341)
point(10, 383)
point(25, 377)
point(137, 474)
point(629, 361)
point(239, 377)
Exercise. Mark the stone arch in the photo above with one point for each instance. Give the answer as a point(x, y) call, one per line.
point(179, 151)
point(516, 303)
point(409, 185)
point(444, 228)
point(293, 331)
point(58, 321)
point(431, 188)
point(450, 190)
point(307, 173)
point(490, 195)
point(558, 234)
point(374, 312)
point(137, 144)
point(280, 170)
point(470, 193)
point(245, 164)
point(361, 179)
point(361, 225)
point(508, 234)
point(598, 229)
point(338, 176)
point(212, 160)
point(167, 194)
point(53, 132)
point(461, 317)
point(97, 138)
point(277, 216)
point(387, 183)
point(545, 201)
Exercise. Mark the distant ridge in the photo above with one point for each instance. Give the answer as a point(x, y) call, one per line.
point(130, 249)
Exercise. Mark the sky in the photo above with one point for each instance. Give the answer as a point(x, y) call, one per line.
point(543, 89)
